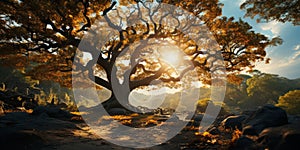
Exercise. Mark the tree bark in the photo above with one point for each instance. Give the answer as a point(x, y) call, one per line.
point(112, 102)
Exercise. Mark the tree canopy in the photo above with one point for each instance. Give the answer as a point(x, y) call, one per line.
point(42, 37)
point(290, 102)
point(279, 10)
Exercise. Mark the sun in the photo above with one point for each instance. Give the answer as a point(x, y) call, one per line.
point(171, 55)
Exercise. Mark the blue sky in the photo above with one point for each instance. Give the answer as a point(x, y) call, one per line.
point(285, 59)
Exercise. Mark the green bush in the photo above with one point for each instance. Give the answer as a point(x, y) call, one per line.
point(290, 102)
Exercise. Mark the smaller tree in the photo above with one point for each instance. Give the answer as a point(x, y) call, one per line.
point(236, 91)
point(290, 102)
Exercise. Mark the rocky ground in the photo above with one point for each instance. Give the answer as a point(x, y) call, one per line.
point(50, 127)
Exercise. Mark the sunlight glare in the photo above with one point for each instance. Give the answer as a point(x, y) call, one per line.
point(171, 55)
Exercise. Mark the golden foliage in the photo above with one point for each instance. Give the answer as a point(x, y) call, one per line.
point(290, 102)
point(50, 31)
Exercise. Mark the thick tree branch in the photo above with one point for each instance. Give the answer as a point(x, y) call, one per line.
point(146, 81)
point(109, 8)
point(102, 82)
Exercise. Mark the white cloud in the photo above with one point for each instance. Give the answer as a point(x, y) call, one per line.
point(278, 64)
point(273, 26)
point(296, 56)
point(297, 47)
point(293, 59)
point(283, 69)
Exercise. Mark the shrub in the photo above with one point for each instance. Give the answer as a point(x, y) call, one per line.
point(290, 102)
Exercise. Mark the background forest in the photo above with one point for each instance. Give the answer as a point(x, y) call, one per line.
point(255, 90)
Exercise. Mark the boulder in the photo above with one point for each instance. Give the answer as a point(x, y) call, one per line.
point(52, 111)
point(233, 122)
point(280, 138)
point(244, 143)
point(264, 117)
point(117, 111)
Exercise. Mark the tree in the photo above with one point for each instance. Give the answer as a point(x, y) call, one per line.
point(290, 102)
point(44, 34)
point(42, 37)
point(236, 92)
point(279, 10)
point(266, 88)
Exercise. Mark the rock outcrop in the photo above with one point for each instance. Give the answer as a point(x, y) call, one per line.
point(264, 117)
